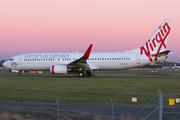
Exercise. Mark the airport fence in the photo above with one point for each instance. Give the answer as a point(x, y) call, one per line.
point(123, 102)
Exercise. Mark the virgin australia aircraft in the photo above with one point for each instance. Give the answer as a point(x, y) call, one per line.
point(84, 63)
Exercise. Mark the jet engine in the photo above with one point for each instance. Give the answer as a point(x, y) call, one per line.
point(61, 69)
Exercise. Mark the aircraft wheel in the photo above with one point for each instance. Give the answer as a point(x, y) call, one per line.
point(88, 74)
point(19, 74)
point(81, 74)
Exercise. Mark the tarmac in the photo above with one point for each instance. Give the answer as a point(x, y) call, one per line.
point(140, 71)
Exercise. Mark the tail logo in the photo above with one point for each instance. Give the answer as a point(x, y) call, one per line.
point(159, 38)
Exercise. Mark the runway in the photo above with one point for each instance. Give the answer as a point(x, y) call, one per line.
point(140, 74)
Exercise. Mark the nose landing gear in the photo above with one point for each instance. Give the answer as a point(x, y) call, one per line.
point(19, 74)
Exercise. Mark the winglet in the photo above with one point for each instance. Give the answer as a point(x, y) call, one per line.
point(87, 53)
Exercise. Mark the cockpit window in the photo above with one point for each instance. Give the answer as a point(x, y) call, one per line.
point(11, 59)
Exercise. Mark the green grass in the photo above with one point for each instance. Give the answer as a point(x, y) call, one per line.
point(82, 90)
point(168, 73)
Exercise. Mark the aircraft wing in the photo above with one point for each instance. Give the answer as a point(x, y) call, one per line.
point(81, 62)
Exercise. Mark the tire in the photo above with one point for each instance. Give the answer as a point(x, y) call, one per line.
point(19, 74)
point(88, 74)
point(81, 74)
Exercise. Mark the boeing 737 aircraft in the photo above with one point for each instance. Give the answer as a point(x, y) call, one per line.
point(84, 63)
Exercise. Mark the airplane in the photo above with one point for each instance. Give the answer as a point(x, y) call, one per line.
point(83, 64)
point(176, 67)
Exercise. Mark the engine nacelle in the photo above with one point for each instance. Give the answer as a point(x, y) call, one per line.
point(61, 69)
point(14, 71)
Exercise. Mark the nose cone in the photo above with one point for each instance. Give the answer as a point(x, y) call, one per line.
point(5, 64)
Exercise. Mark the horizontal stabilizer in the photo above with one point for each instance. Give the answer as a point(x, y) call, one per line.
point(171, 53)
point(162, 53)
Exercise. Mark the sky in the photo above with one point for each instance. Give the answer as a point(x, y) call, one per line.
point(45, 26)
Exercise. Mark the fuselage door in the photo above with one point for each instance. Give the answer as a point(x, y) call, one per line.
point(138, 59)
point(20, 60)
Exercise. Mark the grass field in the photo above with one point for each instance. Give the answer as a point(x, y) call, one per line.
point(88, 90)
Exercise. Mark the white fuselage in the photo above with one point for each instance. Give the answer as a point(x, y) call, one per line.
point(176, 67)
point(97, 61)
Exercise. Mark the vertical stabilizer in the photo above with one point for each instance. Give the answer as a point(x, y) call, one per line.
point(158, 41)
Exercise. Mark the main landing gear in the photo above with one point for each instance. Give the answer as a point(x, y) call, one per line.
point(82, 74)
